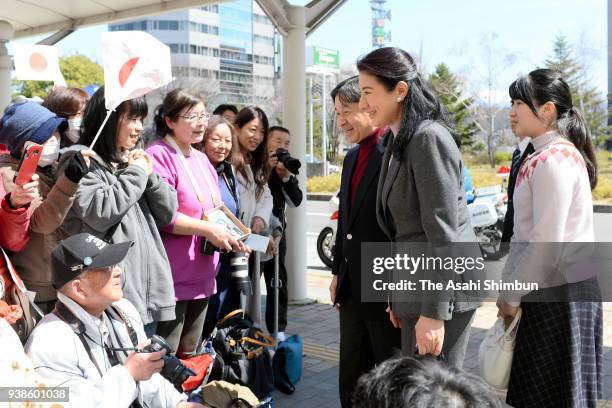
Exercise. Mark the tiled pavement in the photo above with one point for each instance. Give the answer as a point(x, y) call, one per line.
point(317, 323)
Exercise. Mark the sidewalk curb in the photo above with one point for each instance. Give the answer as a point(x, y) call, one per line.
point(302, 302)
point(602, 208)
point(597, 208)
point(319, 196)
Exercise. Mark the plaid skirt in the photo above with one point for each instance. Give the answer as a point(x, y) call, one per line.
point(558, 357)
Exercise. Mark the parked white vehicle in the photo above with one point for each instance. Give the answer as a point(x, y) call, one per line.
point(487, 213)
point(327, 236)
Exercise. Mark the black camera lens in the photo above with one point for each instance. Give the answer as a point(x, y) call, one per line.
point(291, 163)
point(174, 370)
point(239, 271)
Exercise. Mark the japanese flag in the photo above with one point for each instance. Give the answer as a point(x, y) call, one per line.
point(135, 63)
point(37, 62)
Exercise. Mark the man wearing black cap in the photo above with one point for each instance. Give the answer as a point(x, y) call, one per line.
point(80, 344)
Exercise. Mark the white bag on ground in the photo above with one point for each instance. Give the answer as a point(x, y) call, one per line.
point(496, 352)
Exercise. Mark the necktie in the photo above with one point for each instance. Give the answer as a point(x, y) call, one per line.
point(516, 165)
point(516, 157)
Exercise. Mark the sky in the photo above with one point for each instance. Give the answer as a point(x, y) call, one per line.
point(519, 34)
point(452, 31)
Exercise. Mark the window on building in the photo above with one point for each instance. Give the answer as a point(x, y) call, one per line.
point(203, 28)
point(168, 25)
point(258, 18)
point(260, 80)
point(259, 59)
point(135, 25)
point(261, 39)
point(211, 9)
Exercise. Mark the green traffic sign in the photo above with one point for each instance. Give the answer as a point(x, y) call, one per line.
point(324, 57)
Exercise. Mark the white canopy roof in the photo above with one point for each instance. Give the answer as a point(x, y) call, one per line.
point(33, 17)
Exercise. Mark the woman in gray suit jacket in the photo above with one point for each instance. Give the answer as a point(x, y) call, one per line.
point(421, 194)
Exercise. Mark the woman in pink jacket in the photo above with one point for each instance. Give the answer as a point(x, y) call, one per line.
point(180, 122)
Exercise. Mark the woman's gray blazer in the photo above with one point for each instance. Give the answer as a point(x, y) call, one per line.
point(422, 200)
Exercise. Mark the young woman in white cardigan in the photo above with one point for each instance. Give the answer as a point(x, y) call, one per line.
point(251, 164)
point(558, 354)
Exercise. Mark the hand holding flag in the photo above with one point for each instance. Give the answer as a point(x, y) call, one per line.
point(135, 63)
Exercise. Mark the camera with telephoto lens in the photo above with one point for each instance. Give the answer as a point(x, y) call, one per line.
point(174, 370)
point(239, 271)
point(291, 163)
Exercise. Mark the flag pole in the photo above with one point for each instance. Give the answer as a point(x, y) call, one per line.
point(108, 113)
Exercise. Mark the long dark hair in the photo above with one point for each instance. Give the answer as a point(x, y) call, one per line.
point(547, 85)
point(95, 112)
point(259, 157)
point(225, 107)
point(173, 104)
point(391, 65)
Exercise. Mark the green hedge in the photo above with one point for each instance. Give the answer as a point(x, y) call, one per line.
point(323, 184)
point(483, 175)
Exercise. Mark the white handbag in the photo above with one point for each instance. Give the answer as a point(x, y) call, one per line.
point(496, 352)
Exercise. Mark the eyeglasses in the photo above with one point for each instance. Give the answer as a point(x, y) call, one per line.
point(192, 118)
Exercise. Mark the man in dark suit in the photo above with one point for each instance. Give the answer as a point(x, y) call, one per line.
point(367, 337)
point(524, 149)
point(285, 192)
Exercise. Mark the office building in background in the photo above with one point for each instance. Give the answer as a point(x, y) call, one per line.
point(225, 51)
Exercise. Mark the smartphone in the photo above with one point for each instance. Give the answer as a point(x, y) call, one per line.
point(28, 163)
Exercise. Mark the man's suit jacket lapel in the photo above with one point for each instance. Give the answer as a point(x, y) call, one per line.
point(370, 174)
point(347, 176)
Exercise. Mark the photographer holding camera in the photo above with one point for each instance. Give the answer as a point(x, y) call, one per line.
point(285, 190)
point(94, 341)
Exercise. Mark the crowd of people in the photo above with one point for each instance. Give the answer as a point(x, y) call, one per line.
point(117, 241)
point(114, 239)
